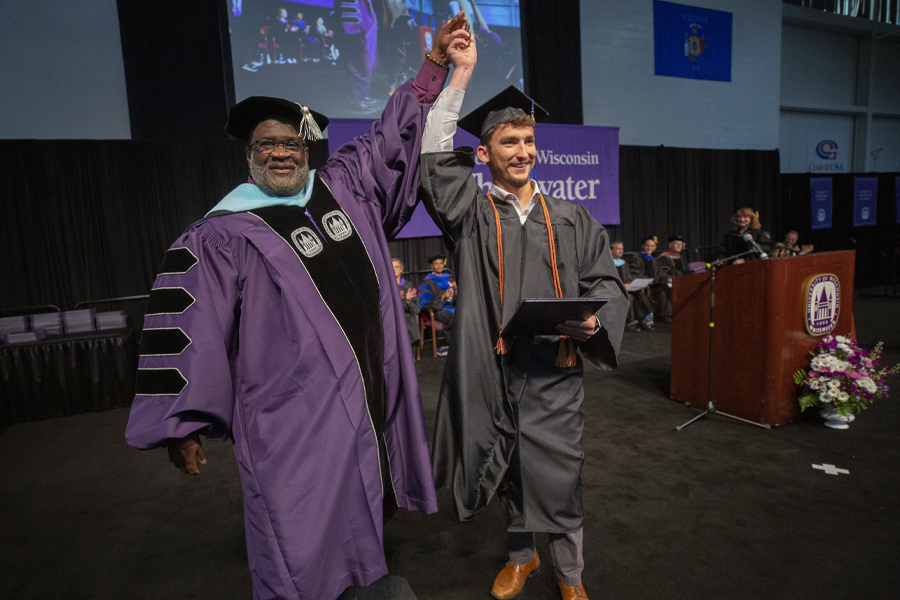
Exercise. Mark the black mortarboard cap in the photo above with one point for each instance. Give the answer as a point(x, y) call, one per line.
point(247, 114)
point(433, 258)
point(675, 238)
point(502, 108)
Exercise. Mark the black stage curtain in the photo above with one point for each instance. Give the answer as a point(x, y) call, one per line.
point(66, 376)
point(692, 192)
point(877, 246)
point(177, 68)
point(86, 220)
point(551, 57)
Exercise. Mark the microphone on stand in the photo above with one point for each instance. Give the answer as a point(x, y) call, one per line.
point(756, 248)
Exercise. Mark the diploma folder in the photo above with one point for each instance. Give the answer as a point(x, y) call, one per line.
point(540, 316)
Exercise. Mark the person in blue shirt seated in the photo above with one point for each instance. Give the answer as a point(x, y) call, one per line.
point(437, 292)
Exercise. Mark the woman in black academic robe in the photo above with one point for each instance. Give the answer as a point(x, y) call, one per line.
point(742, 222)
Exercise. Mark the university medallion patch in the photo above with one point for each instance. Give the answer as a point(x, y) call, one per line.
point(823, 302)
point(337, 225)
point(307, 242)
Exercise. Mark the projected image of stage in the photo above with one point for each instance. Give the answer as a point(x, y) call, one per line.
point(346, 57)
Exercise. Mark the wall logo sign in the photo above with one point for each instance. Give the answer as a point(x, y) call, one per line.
point(827, 150)
point(823, 303)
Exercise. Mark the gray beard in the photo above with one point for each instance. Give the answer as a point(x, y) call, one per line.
point(263, 178)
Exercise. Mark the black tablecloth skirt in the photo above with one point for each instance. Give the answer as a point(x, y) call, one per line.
point(67, 375)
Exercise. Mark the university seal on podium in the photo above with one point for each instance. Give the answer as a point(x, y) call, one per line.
point(823, 302)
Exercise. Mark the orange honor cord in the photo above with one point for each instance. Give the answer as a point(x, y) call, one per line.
point(500, 347)
point(566, 356)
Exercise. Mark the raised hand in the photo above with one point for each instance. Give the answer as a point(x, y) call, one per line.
point(442, 40)
point(462, 52)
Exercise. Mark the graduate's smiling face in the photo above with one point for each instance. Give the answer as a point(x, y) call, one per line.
point(510, 155)
point(438, 266)
point(282, 170)
point(648, 246)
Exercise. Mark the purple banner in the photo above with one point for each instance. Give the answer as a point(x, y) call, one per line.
point(820, 200)
point(897, 196)
point(865, 194)
point(341, 131)
point(575, 162)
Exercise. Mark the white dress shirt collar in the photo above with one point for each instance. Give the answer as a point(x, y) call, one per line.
point(499, 193)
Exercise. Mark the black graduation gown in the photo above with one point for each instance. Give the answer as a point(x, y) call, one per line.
point(515, 415)
point(640, 305)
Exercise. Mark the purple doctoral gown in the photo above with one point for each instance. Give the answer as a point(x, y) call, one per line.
point(245, 338)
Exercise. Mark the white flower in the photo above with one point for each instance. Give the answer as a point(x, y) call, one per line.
point(843, 396)
point(845, 349)
point(832, 393)
point(825, 361)
point(833, 383)
point(867, 384)
point(842, 340)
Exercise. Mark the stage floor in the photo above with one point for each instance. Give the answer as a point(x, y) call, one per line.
point(718, 510)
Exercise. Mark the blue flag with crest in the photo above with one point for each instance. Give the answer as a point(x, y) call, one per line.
point(691, 42)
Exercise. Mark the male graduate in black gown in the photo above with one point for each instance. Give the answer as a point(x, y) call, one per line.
point(510, 417)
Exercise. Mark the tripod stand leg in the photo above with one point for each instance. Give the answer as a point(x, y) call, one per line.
point(763, 425)
point(711, 410)
point(683, 425)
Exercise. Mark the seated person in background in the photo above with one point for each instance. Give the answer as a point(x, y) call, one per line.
point(744, 221)
point(669, 264)
point(639, 301)
point(411, 306)
point(641, 264)
point(790, 247)
point(436, 293)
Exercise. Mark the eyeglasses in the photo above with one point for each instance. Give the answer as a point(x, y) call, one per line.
point(269, 146)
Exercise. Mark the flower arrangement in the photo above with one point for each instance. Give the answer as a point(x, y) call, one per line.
point(842, 376)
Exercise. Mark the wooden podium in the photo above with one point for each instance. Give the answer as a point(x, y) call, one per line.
point(761, 335)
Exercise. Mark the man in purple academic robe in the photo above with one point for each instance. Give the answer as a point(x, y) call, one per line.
point(276, 322)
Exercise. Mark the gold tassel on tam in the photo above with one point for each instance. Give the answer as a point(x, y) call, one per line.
point(566, 356)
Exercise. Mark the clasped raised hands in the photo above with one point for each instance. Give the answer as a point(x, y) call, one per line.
point(454, 43)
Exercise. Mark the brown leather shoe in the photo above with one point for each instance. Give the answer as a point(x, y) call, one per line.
point(511, 578)
point(571, 592)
